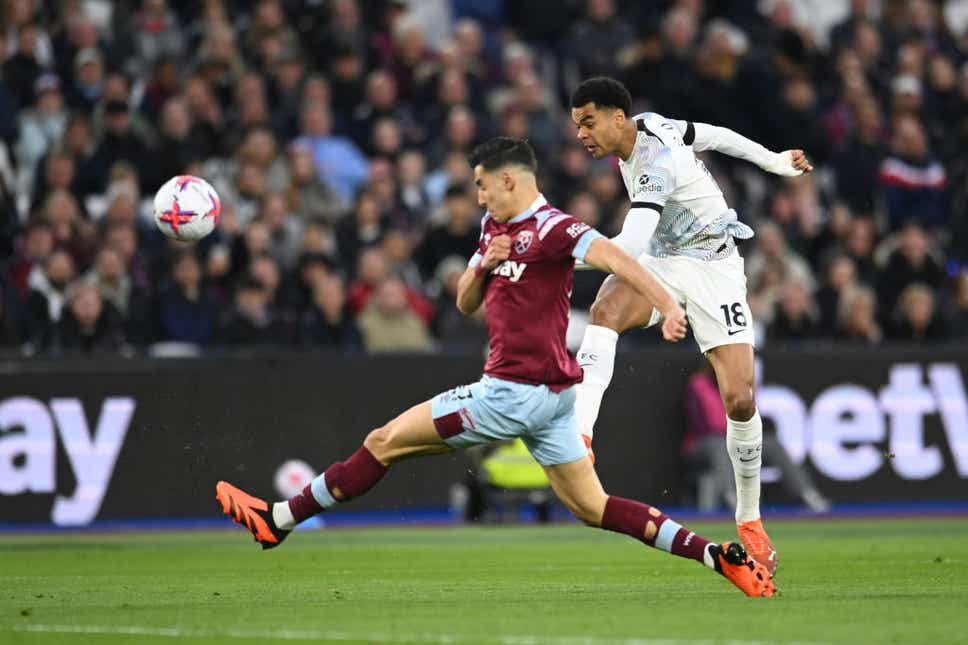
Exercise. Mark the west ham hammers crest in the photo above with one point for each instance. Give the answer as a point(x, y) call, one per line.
point(523, 241)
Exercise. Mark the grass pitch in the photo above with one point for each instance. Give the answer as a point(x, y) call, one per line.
point(841, 581)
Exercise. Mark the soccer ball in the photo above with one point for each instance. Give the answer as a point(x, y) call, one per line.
point(186, 208)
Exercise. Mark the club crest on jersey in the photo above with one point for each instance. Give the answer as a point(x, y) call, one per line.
point(523, 241)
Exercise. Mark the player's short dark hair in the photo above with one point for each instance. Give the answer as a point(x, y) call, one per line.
point(504, 151)
point(604, 92)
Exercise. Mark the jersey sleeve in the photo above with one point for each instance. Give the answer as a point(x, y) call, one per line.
point(481, 245)
point(653, 186)
point(563, 234)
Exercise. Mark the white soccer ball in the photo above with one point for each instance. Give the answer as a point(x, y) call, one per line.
point(187, 208)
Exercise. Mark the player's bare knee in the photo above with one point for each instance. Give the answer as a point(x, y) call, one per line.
point(605, 312)
point(379, 442)
point(740, 406)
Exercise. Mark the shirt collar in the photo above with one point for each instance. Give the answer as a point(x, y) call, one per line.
point(538, 202)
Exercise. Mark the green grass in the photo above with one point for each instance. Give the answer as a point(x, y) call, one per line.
point(858, 582)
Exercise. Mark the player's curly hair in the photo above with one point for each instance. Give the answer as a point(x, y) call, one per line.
point(504, 151)
point(604, 92)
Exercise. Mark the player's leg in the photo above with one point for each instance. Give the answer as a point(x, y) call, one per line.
point(617, 308)
point(734, 367)
point(410, 434)
point(557, 447)
point(577, 485)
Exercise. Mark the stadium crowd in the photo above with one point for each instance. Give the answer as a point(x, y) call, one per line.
point(336, 133)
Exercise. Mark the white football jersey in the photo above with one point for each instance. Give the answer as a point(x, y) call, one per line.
point(664, 174)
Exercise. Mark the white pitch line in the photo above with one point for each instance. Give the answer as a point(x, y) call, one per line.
point(337, 636)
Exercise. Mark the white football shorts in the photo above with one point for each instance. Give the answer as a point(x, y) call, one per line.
point(713, 294)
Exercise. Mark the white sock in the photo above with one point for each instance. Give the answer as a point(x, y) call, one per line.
point(707, 557)
point(282, 516)
point(744, 441)
point(597, 356)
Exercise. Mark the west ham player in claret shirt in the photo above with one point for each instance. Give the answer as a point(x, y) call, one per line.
point(523, 272)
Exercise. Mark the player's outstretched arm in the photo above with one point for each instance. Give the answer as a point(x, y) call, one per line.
point(606, 255)
point(788, 163)
point(470, 287)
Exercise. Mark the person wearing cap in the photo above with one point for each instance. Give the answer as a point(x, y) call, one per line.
point(120, 142)
point(43, 125)
point(88, 79)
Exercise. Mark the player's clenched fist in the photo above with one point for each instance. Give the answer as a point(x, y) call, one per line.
point(497, 251)
point(674, 325)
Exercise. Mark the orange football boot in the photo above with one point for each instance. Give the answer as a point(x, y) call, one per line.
point(750, 576)
point(252, 513)
point(758, 543)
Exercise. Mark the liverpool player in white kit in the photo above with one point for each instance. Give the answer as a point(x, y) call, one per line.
point(523, 271)
point(680, 228)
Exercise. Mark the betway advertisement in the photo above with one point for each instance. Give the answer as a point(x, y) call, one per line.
point(82, 441)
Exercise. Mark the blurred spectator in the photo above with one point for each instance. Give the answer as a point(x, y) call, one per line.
point(36, 245)
point(373, 270)
point(917, 318)
point(365, 227)
point(911, 262)
point(771, 251)
point(458, 235)
point(858, 317)
point(913, 181)
point(89, 325)
point(88, 85)
point(857, 165)
point(11, 319)
point(308, 196)
point(841, 277)
point(48, 284)
point(389, 324)
point(43, 126)
point(452, 328)
point(253, 321)
point(22, 68)
point(285, 230)
point(186, 313)
point(338, 161)
point(121, 142)
point(327, 322)
point(598, 36)
point(176, 148)
point(796, 319)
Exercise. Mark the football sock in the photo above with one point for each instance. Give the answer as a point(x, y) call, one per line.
point(341, 482)
point(597, 356)
point(744, 441)
point(650, 525)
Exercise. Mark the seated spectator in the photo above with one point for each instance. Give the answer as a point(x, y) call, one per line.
point(120, 142)
point(455, 330)
point(310, 197)
point(44, 125)
point(35, 247)
point(458, 235)
point(44, 306)
point(338, 161)
point(364, 228)
point(913, 182)
point(917, 319)
point(771, 248)
point(285, 230)
point(186, 313)
point(911, 262)
point(796, 318)
point(858, 317)
point(327, 322)
point(389, 324)
point(704, 447)
point(398, 250)
point(252, 321)
point(841, 276)
point(372, 270)
point(90, 325)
